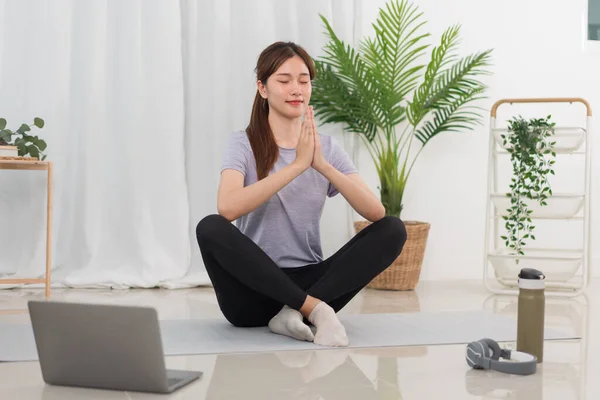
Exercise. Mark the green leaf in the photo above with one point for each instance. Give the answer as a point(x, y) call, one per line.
point(424, 97)
point(23, 128)
point(6, 135)
point(38, 122)
point(33, 151)
point(38, 142)
point(2, 123)
point(393, 51)
point(41, 144)
point(22, 149)
point(335, 102)
point(453, 90)
point(451, 118)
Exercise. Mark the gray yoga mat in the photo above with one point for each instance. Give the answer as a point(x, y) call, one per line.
point(205, 336)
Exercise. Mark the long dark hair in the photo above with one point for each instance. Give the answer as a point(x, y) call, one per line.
point(259, 131)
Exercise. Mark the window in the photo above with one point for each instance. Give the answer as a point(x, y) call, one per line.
point(593, 20)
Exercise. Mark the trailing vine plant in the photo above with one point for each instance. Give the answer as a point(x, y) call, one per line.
point(532, 156)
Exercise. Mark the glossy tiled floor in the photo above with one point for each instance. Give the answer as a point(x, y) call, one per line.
point(431, 372)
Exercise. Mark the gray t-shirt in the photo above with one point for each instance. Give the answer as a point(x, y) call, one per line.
point(287, 226)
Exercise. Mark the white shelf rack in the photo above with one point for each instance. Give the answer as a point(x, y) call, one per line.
point(566, 269)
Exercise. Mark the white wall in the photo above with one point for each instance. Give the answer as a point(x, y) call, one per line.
point(540, 51)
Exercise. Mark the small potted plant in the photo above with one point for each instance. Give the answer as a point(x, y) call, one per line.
point(24, 144)
point(532, 156)
point(375, 93)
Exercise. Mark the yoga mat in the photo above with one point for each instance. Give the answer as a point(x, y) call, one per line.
point(205, 336)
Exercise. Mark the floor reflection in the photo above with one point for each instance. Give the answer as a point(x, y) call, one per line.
point(301, 375)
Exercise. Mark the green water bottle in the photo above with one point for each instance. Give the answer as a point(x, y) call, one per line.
point(531, 310)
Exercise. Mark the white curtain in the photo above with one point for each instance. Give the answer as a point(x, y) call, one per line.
point(137, 96)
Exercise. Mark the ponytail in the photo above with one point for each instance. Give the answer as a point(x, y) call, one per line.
point(261, 137)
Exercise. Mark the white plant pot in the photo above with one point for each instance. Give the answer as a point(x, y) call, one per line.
point(568, 139)
point(559, 205)
point(9, 151)
point(557, 265)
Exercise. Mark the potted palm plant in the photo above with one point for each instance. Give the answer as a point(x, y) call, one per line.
point(383, 93)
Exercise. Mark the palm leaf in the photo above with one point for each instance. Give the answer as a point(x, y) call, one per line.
point(390, 54)
point(346, 68)
point(453, 116)
point(459, 78)
point(455, 85)
point(424, 97)
point(334, 103)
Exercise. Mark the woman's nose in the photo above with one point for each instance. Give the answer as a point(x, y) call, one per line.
point(295, 88)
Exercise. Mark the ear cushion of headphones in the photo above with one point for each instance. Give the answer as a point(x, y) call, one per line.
point(476, 351)
point(494, 347)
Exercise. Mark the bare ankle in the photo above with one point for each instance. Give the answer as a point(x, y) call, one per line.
point(309, 304)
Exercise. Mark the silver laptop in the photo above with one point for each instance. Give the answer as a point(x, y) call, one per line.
point(103, 346)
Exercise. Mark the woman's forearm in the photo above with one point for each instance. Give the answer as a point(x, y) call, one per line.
point(242, 201)
point(362, 200)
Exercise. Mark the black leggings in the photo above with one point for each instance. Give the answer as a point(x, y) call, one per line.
point(251, 289)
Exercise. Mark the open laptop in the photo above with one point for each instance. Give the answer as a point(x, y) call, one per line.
point(103, 346)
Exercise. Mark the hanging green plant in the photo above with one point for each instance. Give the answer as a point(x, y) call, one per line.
point(532, 156)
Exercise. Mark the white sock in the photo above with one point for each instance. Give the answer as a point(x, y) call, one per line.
point(289, 322)
point(330, 331)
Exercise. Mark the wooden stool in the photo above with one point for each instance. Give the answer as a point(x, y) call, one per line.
point(33, 164)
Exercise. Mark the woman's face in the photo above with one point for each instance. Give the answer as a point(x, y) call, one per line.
point(288, 89)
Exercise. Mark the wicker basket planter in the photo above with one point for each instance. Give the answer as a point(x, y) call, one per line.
point(405, 271)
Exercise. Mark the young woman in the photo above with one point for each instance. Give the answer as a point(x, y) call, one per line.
point(269, 269)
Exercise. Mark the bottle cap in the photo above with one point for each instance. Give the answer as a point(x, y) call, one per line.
point(530, 278)
point(530, 273)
